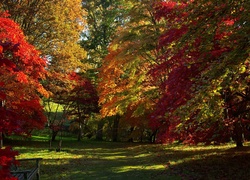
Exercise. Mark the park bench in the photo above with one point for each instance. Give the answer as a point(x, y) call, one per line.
point(28, 169)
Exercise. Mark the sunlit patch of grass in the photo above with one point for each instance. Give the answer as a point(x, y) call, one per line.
point(114, 157)
point(40, 138)
point(47, 154)
point(198, 147)
point(138, 168)
point(141, 155)
point(57, 162)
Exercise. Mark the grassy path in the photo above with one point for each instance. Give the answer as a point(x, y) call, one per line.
point(105, 160)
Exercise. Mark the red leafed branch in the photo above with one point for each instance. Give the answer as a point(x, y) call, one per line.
point(6, 159)
point(21, 69)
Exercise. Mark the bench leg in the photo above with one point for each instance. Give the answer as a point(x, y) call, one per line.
point(38, 176)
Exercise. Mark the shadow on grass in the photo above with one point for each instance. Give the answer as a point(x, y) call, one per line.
point(223, 164)
point(102, 160)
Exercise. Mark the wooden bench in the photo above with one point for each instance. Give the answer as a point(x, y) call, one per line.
point(29, 169)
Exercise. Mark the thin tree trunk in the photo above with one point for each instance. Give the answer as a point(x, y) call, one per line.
point(1, 133)
point(153, 136)
point(1, 140)
point(238, 133)
point(79, 132)
point(99, 134)
point(54, 134)
point(115, 129)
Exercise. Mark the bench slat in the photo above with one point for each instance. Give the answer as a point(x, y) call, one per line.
point(27, 174)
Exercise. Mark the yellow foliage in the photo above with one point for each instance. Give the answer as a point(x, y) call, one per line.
point(54, 27)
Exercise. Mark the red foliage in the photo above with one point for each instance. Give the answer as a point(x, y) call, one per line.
point(6, 159)
point(184, 62)
point(21, 69)
point(83, 94)
point(170, 10)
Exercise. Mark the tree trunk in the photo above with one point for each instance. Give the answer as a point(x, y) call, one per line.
point(79, 132)
point(99, 134)
point(238, 134)
point(115, 129)
point(1, 140)
point(54, 134)
point(1, 133)
point(153, 136)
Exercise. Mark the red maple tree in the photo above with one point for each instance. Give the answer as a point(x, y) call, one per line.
point(21, 69)
point(82, 100)
point(205, 46)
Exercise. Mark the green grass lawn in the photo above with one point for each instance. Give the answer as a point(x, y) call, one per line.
point(108, 160)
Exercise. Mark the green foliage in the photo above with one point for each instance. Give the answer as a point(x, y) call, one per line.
point(103, 18)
